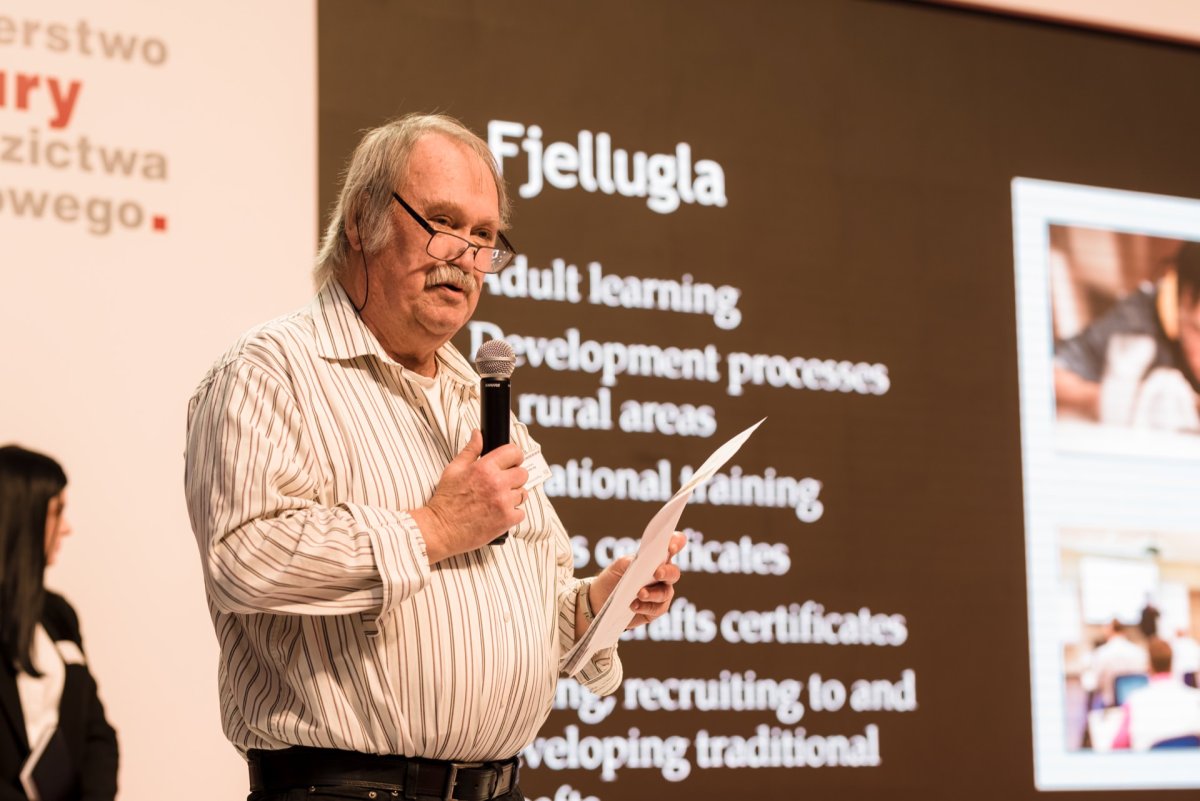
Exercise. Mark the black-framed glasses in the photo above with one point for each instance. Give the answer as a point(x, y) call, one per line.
point(445, 246)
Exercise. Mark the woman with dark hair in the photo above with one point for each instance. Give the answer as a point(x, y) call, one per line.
point(55, 744)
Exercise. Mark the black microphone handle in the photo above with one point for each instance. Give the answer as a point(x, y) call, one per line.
point(494, 414)
point(493, 419)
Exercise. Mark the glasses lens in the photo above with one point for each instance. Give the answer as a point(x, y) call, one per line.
point(499, 259)
point(446, 247)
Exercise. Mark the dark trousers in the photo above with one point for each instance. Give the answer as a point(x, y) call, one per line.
point(302, 772)
point(353, 792)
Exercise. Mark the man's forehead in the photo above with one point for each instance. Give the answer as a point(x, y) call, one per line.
point(436, 156)
point(445, 174)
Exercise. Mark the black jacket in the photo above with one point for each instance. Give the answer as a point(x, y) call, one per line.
point(90, 742)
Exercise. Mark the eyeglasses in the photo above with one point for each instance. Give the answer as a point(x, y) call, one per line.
point(446, 246)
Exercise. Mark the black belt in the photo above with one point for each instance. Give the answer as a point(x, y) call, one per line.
point(277, 771)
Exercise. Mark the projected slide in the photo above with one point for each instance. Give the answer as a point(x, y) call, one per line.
point(634, 358)
point(1109, 328)
point(804, 213)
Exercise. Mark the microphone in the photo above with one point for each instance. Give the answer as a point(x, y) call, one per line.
point(495, 362)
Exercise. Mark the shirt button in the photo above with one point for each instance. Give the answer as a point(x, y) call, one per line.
point(507, 616)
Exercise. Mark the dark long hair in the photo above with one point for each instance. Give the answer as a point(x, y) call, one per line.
point(28, 481)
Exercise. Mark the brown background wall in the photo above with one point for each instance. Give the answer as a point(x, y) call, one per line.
point(868, 149)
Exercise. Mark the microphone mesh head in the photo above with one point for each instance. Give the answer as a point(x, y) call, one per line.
point(495, 359)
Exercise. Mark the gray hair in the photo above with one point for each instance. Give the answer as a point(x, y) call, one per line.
point(374, 170)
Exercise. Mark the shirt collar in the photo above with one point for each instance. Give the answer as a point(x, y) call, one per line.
point(342, 335)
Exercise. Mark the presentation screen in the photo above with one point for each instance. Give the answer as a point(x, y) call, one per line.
point(873, 224)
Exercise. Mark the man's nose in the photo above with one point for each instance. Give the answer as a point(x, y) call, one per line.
point(465, 261)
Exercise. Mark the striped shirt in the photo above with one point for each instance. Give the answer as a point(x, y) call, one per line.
point(306, 443)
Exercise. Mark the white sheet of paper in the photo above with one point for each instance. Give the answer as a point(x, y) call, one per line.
point(615, 615)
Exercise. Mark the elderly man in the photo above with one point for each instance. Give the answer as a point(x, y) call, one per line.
point(371, 638)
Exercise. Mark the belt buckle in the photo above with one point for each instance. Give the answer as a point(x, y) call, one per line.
point(451, 781)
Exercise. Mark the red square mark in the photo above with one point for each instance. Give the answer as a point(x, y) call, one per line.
point(159, 222)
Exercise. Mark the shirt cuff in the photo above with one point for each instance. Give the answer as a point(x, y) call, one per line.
point(603, 672)
point(400, 556)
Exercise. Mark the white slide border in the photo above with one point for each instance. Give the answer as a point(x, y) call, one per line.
point(1147, 483)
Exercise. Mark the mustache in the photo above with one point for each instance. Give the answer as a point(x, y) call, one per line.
point(445, 274)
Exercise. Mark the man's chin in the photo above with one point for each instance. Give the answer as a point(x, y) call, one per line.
point(445, 320)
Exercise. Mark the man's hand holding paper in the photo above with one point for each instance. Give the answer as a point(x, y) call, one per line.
point(652, 600)
point(634, 591)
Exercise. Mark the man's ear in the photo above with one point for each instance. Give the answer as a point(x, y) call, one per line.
point(1168, 303)
point(353, 220)
point(352, 235)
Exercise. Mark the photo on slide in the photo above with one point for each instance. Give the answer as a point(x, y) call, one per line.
point(1126, 323)
point(1129, 609)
